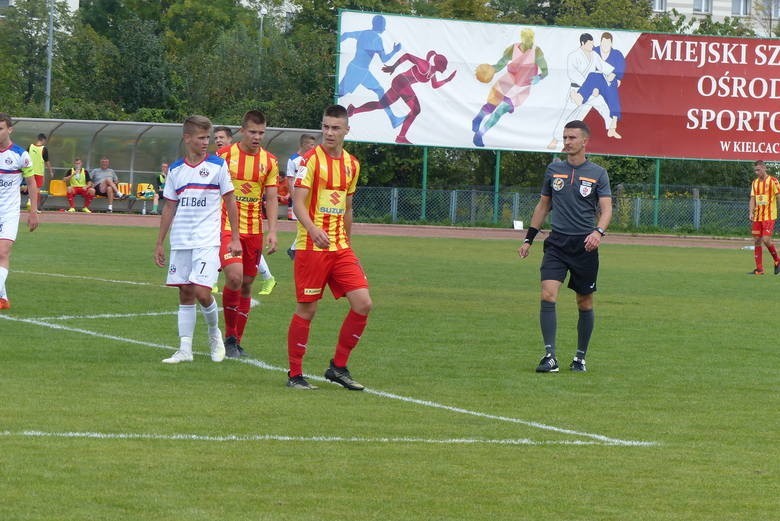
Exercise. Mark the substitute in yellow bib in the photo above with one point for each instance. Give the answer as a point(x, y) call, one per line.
point(39, 155)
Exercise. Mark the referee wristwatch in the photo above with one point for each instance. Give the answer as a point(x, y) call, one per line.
point(601, 231)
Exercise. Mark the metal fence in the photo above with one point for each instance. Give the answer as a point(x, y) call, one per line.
point(682, 212)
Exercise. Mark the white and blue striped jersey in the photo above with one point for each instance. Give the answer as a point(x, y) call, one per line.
point(15, 162)
point(293, 164)
point(198, 190)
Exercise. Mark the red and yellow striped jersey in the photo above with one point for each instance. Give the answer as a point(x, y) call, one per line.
point(250, 174)
point(330, 181)
point(765, 192)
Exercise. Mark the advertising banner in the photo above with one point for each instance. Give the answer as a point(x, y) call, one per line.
point(513, 87)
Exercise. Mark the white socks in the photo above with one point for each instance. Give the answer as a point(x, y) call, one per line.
point(3, 277)
point(211, 315)
point(262, 267)
point(187, 318)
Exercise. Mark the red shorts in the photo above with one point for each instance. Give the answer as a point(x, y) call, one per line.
point(38, 180)
point(79, 190)
point(763, 228)
point(340, 270)
point(252, 248)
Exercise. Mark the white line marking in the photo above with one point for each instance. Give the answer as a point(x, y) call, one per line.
point(110, 315)
point(605, 440)
point(85, 332)
point(96, 279)
point(279, 437)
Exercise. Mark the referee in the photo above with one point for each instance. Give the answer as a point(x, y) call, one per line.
point(576, 191)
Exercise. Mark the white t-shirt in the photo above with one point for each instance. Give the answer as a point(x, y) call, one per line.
point(198, 189)
point(14, 162)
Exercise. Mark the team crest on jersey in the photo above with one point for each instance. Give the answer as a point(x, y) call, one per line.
point(203, 172)
point(172, 269)
point(9, 161)
point(586, 188)
point(557, 184)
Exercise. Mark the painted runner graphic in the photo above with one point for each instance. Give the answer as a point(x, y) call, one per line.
point(423, 70)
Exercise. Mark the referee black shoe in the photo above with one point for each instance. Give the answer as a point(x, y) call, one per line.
point(548, 364)
point(578, 365)
point(341, 376)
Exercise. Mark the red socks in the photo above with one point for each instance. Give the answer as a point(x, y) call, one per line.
point(297, 338)
point(773, 251)
point(351, 330)
point(242, 315)
point(231, 300)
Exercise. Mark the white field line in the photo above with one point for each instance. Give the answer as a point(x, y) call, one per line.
point(598, 438)
point(283, 438)
point(84, 277)
point(110, 315)
point(253, 302)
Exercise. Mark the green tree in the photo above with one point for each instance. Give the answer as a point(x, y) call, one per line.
point(143, 73)
point(613, 14)
point(90, 87)
point(24, 49)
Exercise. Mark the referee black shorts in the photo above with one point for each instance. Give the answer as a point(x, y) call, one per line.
point(566, 253)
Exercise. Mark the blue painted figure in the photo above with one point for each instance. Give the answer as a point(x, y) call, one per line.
point(368, 44)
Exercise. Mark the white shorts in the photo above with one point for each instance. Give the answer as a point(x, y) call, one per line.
point(199, 266)
point(9, 226)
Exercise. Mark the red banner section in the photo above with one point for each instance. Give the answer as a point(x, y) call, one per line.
point(698, 97)
point(462, 84)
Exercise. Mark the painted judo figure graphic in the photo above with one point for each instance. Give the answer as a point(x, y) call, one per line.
point(595, 77)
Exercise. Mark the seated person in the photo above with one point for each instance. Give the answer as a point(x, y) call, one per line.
point(79, 183)
point(104, 181)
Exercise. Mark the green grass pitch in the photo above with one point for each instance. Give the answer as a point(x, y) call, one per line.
point(677, 418)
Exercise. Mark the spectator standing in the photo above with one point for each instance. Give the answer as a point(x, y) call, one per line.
point(254, 172)
point(223, 136)
point(324, 187)
point(79, 183)
point(104, 181)
point(305, 143)
point(39, 155)
point(196, 187)
point(15, 164)
point(577, 192)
